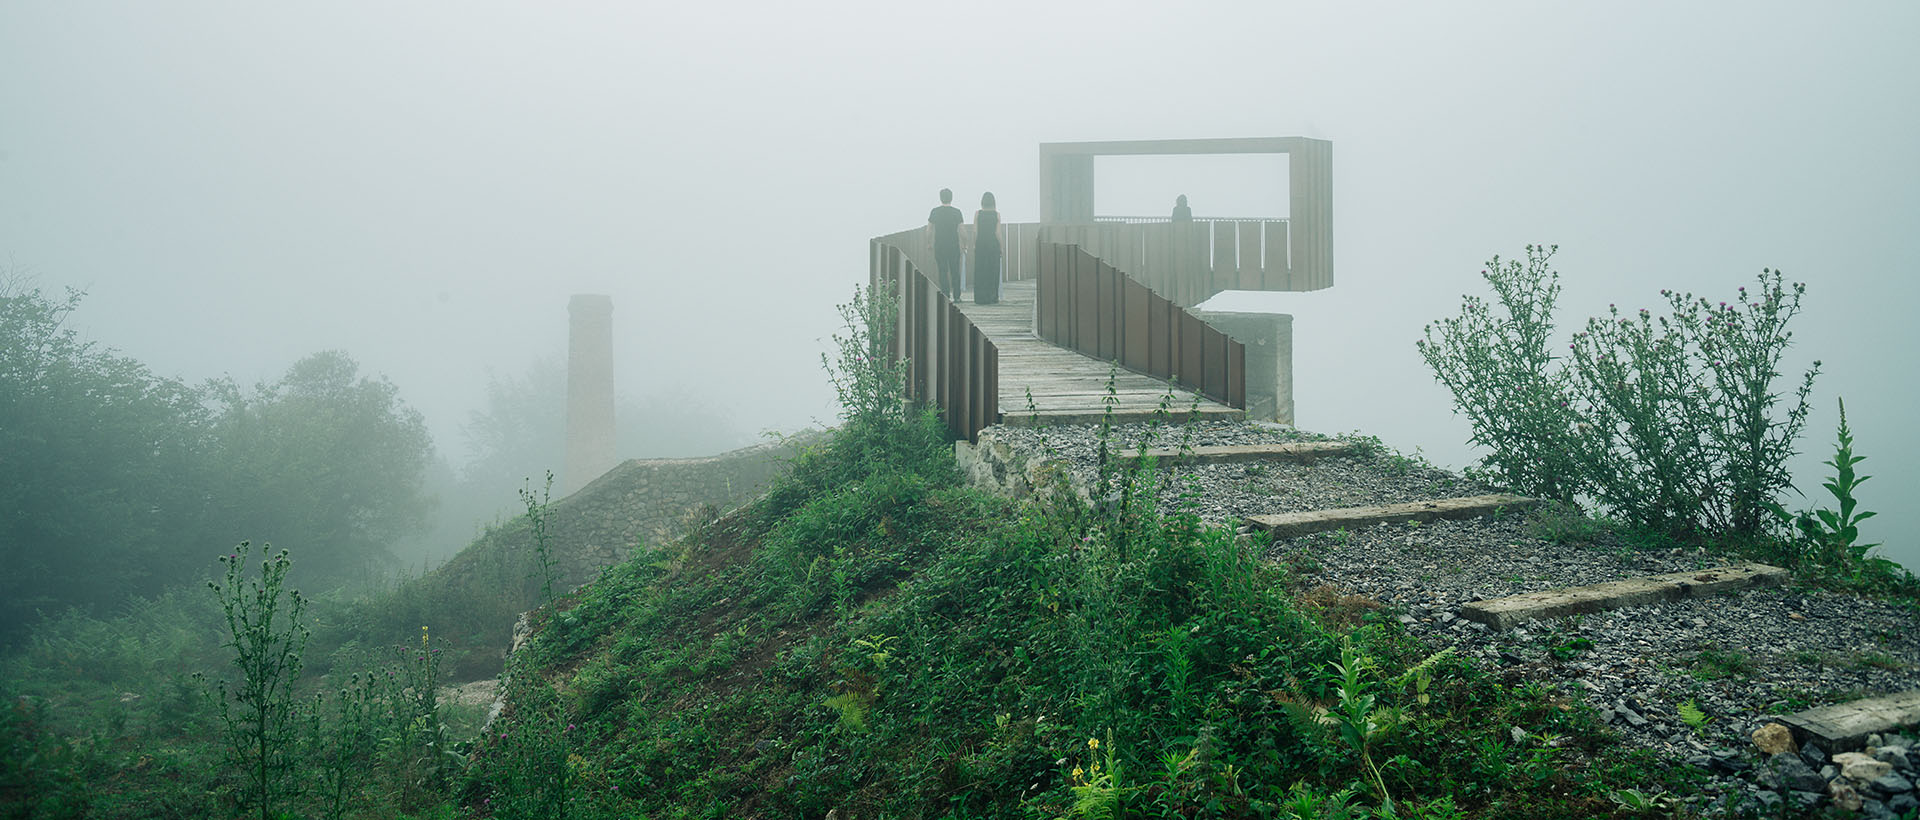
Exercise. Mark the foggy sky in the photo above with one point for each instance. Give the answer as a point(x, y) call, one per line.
point(425, 184)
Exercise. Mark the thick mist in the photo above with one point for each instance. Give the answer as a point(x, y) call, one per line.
point(423, 185)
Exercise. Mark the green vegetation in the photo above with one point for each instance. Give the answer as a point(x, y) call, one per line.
point(870, 638)
point(1669, 422)
point(1826, 541)
point(119, 483)
point(1671, 426)
point(258, 713)
point(122, 717)
point(1713, 664)
point(875, 639)
point(1501, 370)
point(537, 507)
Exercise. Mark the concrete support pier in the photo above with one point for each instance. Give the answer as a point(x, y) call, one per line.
point(590, 433)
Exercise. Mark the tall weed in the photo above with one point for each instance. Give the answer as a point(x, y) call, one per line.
point(1671, 422)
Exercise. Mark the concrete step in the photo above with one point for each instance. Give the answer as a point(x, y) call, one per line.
point(1843, 727)
point(1288, 525)
point(1298, 451)
point(1504, 613)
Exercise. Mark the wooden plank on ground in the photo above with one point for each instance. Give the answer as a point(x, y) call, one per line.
point(1288, 525)
point(1844, 727)
point(1504, 613)
point(1291, 452)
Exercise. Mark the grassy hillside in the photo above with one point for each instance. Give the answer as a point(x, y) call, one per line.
point(875, 640)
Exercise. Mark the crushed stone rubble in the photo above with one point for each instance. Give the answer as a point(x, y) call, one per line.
point(1738, 658)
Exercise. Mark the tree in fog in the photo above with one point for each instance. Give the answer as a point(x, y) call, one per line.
point(101, 466)
point(325, 462)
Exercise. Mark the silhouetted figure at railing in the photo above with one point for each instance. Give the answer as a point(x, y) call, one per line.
point(986, 252)
point(1182, 213)
point(944, 223)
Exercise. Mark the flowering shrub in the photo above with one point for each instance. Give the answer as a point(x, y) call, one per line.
point(1686, 433)
point(1668, 421)
point(1498, 363)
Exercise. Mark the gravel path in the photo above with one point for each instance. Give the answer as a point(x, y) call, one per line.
point(1738, 657)
point(1226, 493)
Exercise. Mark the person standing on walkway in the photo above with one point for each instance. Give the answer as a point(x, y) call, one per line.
point(986, 252)
point(1182, 213)
point(944, 224)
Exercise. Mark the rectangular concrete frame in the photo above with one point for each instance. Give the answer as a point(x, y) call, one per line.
point(1067, 189)
point(1298, 451)
point(1505, 613)
point(1288, 525)
point(1844, 727)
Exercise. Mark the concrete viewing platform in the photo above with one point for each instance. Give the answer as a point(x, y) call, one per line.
point(1067, 387)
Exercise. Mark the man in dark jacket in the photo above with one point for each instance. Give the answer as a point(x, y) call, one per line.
point(944, 223)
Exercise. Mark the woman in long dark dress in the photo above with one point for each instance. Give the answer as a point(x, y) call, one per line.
point(986, 252)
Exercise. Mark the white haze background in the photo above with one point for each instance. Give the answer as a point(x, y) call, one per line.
point(424, 184)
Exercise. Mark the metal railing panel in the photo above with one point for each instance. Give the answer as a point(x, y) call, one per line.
point(951, 365)
point(1095, 308)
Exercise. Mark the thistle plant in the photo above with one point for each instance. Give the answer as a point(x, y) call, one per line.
point(419, 741)
point(1497, 361)
point(869, 377)
point(537, 524)
point(260, 719)
point(345, 742)
point(1688, 433)
point(1671, 421)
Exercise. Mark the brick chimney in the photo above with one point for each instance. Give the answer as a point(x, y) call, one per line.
point(590, 437)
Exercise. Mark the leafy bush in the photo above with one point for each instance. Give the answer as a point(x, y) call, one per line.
point(1670, 422)
point(1503, 374)
point(1685, 431)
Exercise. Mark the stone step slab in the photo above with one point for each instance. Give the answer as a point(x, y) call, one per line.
point(1288, 525)
point(1844, 727)
point(1504, 613)
point(1298, 451)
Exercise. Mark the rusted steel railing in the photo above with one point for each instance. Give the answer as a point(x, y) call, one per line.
point(1085, 304)
point(951, 365)
point(1020, 247)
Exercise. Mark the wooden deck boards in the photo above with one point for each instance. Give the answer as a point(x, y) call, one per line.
point(1064, 384)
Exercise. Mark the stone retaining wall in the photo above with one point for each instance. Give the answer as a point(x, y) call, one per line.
point(997, 464)
point(474, 597)
point(652, 501)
